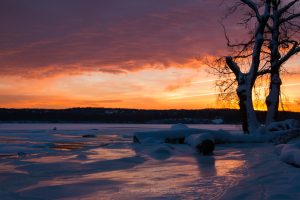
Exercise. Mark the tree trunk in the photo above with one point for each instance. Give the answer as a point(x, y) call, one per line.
point(243, 112)
point(251, 115)
point(248, 116)
point(272, 100)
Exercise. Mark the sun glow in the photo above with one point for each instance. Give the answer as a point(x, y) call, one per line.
point(172, 88)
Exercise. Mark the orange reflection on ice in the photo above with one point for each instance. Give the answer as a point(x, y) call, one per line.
point(15, 140)
point(178, 176)
point(53, 159)
point(142, 177)
point(225, 167)
point(67, 146)
point(110, 154)
point(10, 168)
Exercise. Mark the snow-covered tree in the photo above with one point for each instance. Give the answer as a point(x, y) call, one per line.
point(272, 40)
point(284, 42)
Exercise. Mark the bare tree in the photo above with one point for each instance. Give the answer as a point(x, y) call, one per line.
point(252, 49)
point(284, 43)
point(272, 41)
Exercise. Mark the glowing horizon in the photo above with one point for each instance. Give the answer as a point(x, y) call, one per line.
point(186, 90)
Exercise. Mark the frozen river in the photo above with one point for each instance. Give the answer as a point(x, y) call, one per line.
point(99, 161)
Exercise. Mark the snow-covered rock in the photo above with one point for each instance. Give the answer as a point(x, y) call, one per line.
point(177, 131)
point(205, 142)
point(282, 132)
point(196, 139)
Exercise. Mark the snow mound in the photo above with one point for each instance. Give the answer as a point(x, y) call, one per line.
point(282, 132)
point(283, 137)
point(283, 125)
point(194, 137)
point(177, 131)
point(290, 153)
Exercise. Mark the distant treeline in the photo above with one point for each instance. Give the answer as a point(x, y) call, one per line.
point(111, 115)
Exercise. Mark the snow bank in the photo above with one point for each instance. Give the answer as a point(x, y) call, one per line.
point(201, 139)
point(278, 133)
point(290, 153)
point(283, 137)
point(283, 125)
point(194, 137)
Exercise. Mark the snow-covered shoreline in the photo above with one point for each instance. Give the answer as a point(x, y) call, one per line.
point(100, 161)
point(268, 177)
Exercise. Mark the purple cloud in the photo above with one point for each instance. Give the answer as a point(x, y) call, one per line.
point(48, 37)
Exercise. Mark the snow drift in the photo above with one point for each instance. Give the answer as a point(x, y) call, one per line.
point(277, 132)
point(290, 153)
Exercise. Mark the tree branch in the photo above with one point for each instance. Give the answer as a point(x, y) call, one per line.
point(294, 50)
point(291, 17)
point(253, 6)
point(233, 66)
point(288, 6)
point(229, 44)
point(263, 72)
point(259, 40)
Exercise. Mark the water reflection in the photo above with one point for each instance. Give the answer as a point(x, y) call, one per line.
point(219, 165)
point(207, 166)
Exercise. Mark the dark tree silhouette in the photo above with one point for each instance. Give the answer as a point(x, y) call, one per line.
point(272, 40)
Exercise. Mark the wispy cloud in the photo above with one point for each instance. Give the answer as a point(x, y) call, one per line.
point(52, 101)
point(181, 83)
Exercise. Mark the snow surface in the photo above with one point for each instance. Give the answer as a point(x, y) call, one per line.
point(290, 153)
point(38, 162)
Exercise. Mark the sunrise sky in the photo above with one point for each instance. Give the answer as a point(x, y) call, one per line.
point(115, 53)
